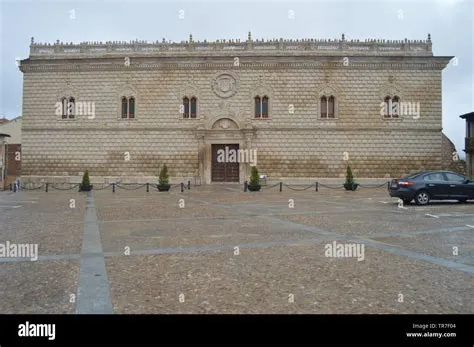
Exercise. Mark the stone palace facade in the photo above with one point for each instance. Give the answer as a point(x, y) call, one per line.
point(305, 108)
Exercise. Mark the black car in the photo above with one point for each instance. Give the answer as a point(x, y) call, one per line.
point(432, 185)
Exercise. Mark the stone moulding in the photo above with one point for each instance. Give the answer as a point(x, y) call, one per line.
point(370, 46)
point(348, 128)
point(436, 63)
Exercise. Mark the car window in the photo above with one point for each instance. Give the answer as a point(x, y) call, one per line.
point(434, 177)
point(454, 177)
point(414, 175)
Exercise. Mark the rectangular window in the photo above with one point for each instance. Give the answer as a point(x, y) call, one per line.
point(265, 108)
point(131, 111)
point(193, 109)
point(331, 109)
point(124, 108)
point(324, 108)
point(258, 109)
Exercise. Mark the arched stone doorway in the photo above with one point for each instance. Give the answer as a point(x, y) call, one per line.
point(221, 134)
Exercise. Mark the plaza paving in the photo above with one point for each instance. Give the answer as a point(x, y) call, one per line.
point(227, 251)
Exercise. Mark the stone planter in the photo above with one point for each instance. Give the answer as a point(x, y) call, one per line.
point(254, 187)
point(351, 186)
point(164, 187)
point(85, 187)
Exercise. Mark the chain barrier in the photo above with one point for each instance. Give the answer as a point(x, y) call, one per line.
point(374, 186)
point(298, 190)
point(74, 186)
point(269, 187)
point(139, 186)
point(107, 186)
point(327, 186)
point(23, 187)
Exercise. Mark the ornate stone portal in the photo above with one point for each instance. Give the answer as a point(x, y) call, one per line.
point(222, 131)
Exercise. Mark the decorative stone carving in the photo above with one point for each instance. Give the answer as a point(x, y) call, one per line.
point(225, 85)
point(226, 124)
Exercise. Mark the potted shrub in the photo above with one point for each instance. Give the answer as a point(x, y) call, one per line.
point(254, 184)
point(350, 184)
point(163, 180)
point(85, 186)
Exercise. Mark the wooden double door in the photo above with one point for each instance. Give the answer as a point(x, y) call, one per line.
point(223, 170)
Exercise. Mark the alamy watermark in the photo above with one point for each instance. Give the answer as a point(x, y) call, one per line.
point(345, 250)
point(75, 108)
point(19, 250)
point(237, 156)
point(400, 109)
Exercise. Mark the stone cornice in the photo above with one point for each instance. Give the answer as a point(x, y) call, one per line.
point(349, 128)
point(235, 47)
point(408, 63)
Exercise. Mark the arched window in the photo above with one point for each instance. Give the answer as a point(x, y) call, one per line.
point(395, 106)
point(391, 107)
point(193, 107)
point(258, 107)
point(186, 107)
point(265, 107)
point(124, 107)
point(71, 108)
point(387, 106)
point(64, 108)
point(331, 107)
point(131, 107)
point(324, 107)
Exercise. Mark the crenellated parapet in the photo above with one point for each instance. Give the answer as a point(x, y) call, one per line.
point(224, 47)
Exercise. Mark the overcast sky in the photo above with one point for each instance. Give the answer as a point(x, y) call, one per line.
point(448, 21)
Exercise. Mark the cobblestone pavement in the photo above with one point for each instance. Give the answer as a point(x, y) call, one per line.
point(217, 249)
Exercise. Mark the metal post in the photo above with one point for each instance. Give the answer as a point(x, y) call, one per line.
point(281, 186)
point(46, 188)
point(113, 187)
point(388, 184)
point(316, 186)
point(245, 186)
point(182, 187)
point(147, 187)
point(189, 185)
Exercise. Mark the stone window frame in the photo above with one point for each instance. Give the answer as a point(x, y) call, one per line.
point(387, 103)
point(391, 91)
point(189, 100)
point(327, 91)
point(129, 93)
point(190, 91)
point(67, 93)
point(261, 91)
point(260, 114)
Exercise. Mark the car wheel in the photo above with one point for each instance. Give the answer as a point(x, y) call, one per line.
point(462, 200)
point(422, 197)
point(407, 201)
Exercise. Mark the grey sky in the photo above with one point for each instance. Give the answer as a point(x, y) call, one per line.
point(448, 21)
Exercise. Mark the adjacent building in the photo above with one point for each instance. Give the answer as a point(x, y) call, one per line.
point(10, 154)
point(305, 108)
point(469, 143)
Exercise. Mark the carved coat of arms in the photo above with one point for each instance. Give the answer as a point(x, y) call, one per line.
point(225, 86)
